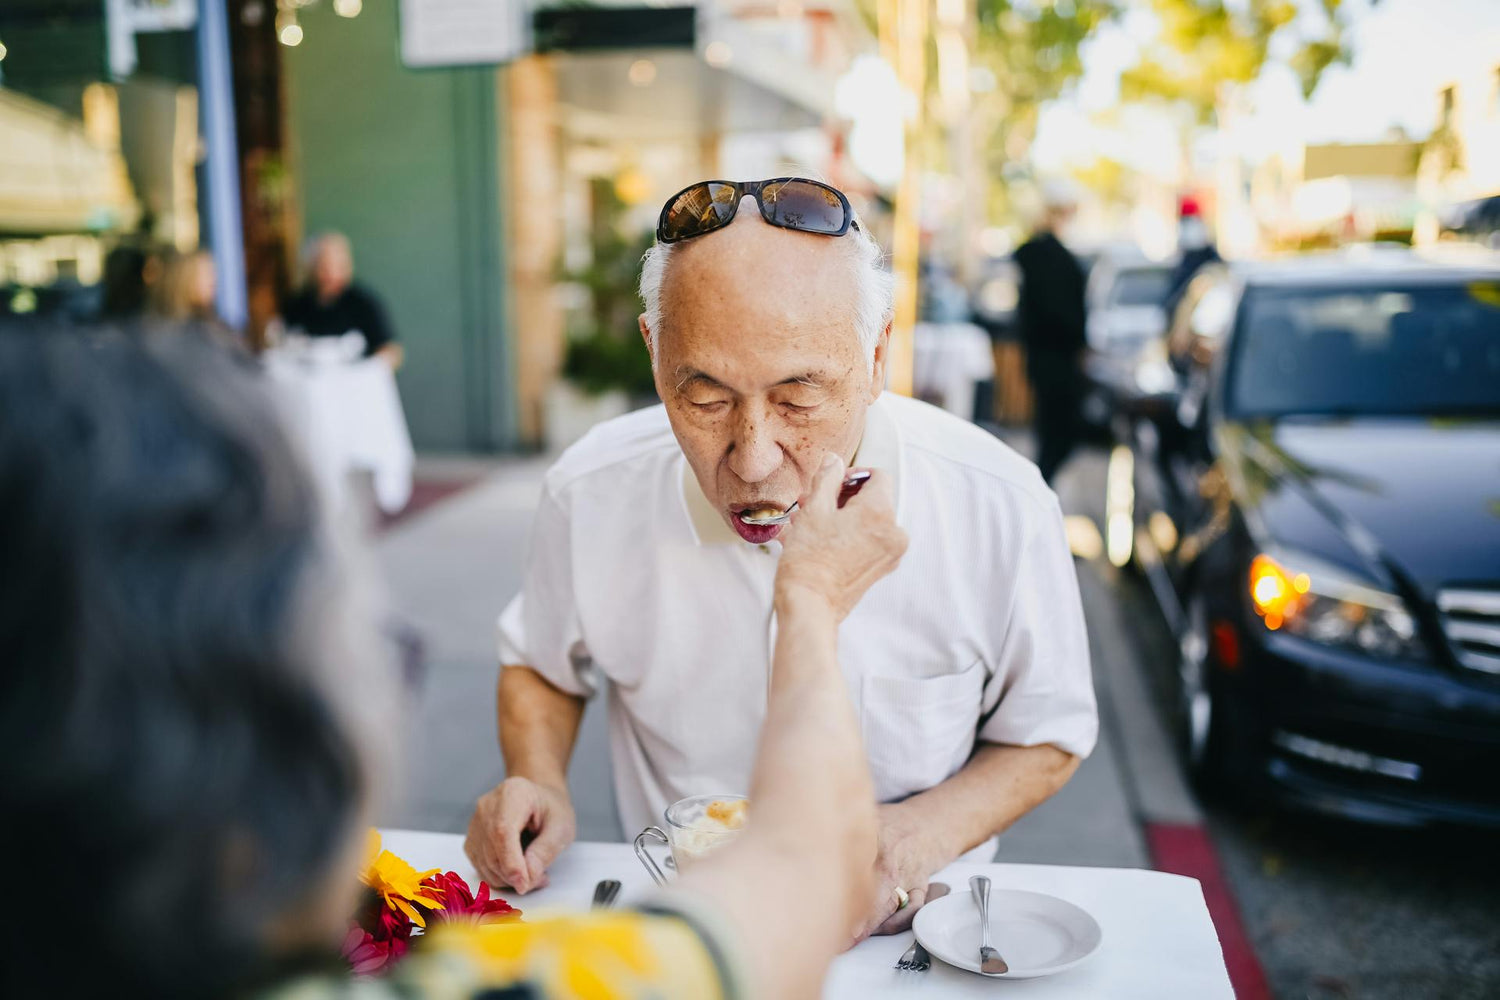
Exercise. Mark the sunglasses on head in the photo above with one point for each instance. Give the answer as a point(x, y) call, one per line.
point(807, 206)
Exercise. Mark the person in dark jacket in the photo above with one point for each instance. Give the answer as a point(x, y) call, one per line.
point(333, 304)
point(1050, 315)
point(1195, 248)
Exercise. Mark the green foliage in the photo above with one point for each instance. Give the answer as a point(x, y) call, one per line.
point(604, 349)
point(602, 360)
point(1031, 50)
point(1205, 45)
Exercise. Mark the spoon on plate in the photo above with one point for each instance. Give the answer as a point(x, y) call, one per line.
point(768, 517)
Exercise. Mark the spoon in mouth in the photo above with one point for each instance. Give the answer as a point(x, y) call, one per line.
point(765, 517)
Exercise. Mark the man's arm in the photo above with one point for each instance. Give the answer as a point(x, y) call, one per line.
point(922, 834)
point(520, 826)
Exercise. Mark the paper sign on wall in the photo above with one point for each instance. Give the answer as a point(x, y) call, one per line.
point(438, 33)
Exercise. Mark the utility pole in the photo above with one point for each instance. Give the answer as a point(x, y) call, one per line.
point(221, 171)
point(903, 44)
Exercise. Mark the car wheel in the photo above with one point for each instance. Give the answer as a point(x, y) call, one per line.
point(1199, 723)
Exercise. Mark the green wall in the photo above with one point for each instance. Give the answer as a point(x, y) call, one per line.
point(408, 163)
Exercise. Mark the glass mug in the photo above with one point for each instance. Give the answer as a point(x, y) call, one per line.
point(691, 834)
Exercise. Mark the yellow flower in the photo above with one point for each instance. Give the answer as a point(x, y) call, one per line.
point(398, 883)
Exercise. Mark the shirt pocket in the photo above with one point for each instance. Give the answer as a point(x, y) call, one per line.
point(919, 730)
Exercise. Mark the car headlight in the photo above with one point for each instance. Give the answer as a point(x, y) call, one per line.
point(1308, 598)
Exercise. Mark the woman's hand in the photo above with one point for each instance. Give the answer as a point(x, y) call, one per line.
point(834, 554)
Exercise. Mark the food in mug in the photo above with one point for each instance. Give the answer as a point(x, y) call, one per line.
point(716, 826)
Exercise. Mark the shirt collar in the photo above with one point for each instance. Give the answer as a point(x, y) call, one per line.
point(879, 448)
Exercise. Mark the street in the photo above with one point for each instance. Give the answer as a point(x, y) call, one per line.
point(1329, 909)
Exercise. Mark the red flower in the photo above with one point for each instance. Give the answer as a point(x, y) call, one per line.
point(461, 905)
point(370, 956)
point(391, 925)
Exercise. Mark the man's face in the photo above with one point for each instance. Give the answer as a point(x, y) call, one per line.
point(760, 364)
point(333, 268)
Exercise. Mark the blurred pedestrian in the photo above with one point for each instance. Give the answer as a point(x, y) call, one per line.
point(1195, 248)
point(331, 303)
point(184, 297)
point(130, 271)
point(1050, 315)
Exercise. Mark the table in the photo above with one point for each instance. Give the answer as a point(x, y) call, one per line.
point(947, 360)
point(1159, 943)
point(345, 416)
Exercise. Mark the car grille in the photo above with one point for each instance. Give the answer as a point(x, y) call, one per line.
point(1471, 620)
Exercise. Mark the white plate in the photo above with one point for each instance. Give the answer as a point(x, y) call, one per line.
point(1037, 935)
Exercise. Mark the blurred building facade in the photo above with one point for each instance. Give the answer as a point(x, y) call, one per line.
point(493, 207)
point(498, 206)
point(1461, 159)
point(1325, 194)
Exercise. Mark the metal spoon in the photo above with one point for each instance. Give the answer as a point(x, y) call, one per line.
point(852, 483)
point(990, 962)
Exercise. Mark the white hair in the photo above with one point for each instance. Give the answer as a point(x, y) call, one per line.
point(873, 306)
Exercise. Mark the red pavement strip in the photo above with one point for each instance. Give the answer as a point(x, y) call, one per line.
point(1185, 849)
point(425, 493)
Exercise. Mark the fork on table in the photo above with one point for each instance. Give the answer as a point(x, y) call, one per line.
point(915, 959)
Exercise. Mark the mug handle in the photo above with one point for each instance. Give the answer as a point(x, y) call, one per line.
point(652, 868)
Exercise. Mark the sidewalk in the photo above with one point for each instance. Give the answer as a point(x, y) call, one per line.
point(452, 567)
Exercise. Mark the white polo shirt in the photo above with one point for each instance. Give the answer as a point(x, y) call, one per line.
point(977, 636)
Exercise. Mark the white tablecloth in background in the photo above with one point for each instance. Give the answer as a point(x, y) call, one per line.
point(346, 417)
point(1159, 943)
point(947, 360)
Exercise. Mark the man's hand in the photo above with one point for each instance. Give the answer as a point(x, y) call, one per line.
point(907, 859)
point(518, 829)
point(836, 554)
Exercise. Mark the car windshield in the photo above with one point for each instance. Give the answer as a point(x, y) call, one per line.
point(1143, 286)
point(1429, 349)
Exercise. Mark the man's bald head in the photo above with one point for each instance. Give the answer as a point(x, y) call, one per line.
point(780, 275)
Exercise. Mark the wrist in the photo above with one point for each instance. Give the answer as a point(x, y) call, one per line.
point(923, 839)
point(793, 598)
point(545, 778)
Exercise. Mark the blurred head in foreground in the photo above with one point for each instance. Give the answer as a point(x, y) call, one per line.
point(188, 680)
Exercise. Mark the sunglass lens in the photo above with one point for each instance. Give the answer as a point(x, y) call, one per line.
point(700, 209)
point(804, 205)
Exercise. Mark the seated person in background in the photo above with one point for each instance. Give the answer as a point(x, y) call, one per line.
point(332, 304)
point(200, 712)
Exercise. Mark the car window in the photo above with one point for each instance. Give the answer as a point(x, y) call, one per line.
point(1415, 350)
point(1140, 287)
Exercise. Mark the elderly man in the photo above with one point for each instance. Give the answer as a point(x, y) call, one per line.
point(768, 332)
point(333, 303)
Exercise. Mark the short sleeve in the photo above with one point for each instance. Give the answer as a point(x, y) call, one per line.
point(1042, 690)
point(374, 324)
point(540, 627)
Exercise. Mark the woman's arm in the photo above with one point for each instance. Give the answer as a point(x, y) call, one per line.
point(794, 886)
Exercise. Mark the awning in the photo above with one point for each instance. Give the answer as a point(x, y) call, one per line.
point(53, 179)
point(683, 96)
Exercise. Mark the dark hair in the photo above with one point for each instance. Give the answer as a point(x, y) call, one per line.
point(173, 779)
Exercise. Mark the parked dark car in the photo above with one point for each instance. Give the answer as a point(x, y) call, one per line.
point(1126, 327)
point(1319, 517)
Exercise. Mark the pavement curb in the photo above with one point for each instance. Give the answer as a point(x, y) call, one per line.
point(1187, 849)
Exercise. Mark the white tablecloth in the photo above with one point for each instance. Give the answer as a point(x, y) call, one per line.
point(947, 360)
point(1159, 943)
point(346, 417)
